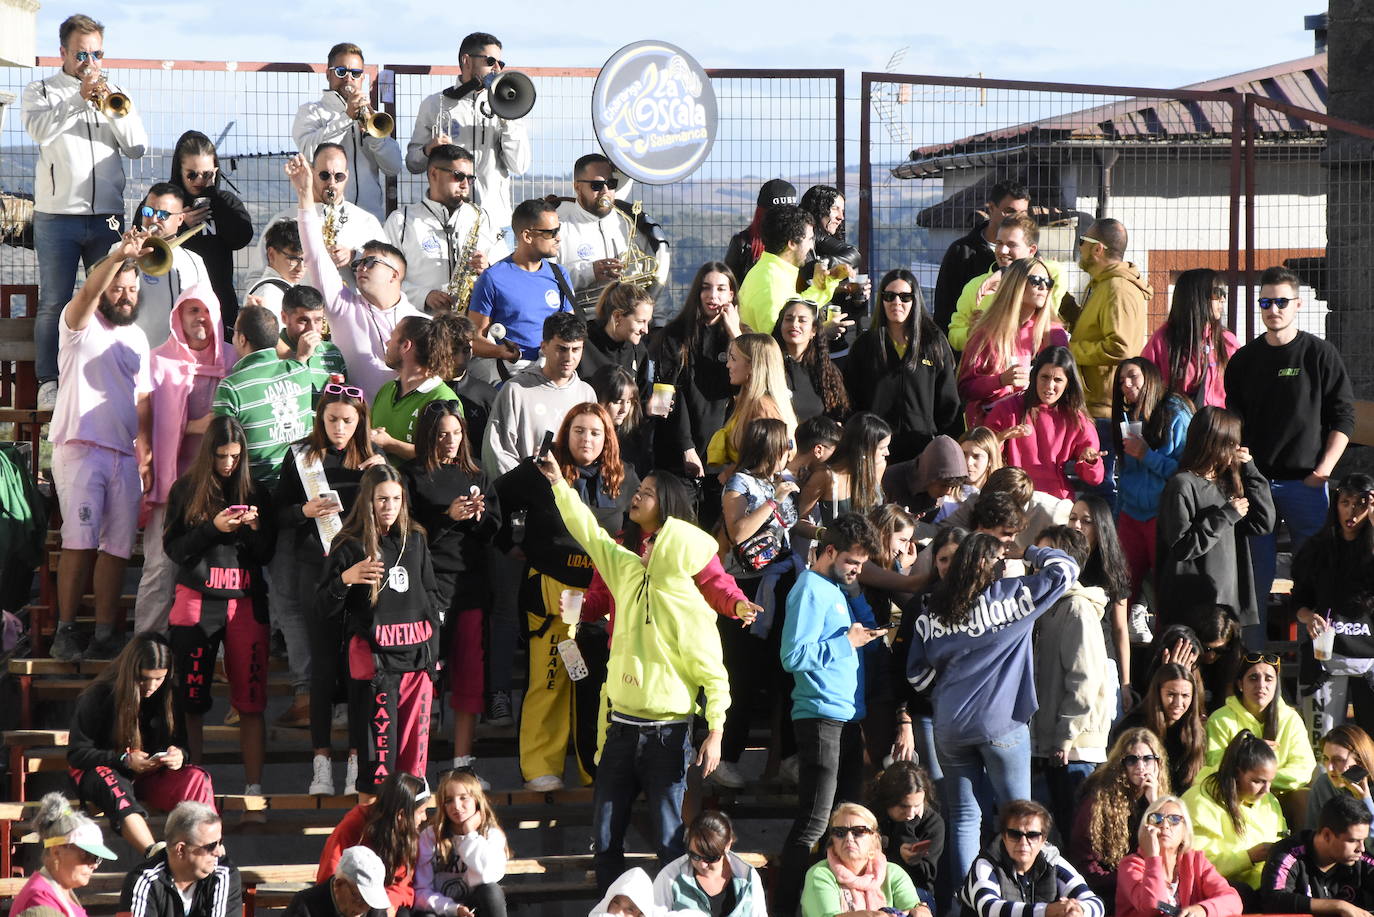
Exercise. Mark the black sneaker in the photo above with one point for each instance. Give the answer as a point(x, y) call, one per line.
point(108, 648)
point(65, 646)
point(499, 709)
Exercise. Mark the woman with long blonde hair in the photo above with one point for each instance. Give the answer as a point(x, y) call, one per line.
point(754, 362)
point(463, 851)
point(1018, 324)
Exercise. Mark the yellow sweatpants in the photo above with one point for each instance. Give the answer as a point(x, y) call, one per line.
point(548, 716)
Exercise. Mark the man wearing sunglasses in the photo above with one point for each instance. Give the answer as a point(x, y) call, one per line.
point(596, 238)
point(434, 233)
point(972, 254)
point(285, 266)
point(1294, 399)
point(1018, 870)
point(354, 226)
point(460, 115)
point(1109, 328)
point(161, 214)
point(78, 192)
point(191, 876)
point(1323, 870)
point(1017, 237)
point(335, 119)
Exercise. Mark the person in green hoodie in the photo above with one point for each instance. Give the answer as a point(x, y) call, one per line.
point(1110, 327)
point(666, 651)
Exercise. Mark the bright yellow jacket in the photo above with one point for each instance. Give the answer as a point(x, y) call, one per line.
point(1216, 836)
point(1294, 751)
point(1110, 328)
point(770, 283)
point(961, 323)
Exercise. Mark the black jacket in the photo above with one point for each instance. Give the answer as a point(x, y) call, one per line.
point(318, 901)
point(477, 396)
point(90, 740)
point(739, 255)
point(919, 403)
point(228, 229)
point(224, 565)
point(149, 892)
point(1291, 878)
point(703, 393)
point(600, 350)
point(458, 548)
point(929, 827)
point(806, 400)
point(966, 258)
point(289, 501)
point(1335, 577)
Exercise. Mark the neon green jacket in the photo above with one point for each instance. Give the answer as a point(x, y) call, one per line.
point(770, 283)
point(1215, 836)
point(961, 323)
point(666, 646)
point(1294, 751)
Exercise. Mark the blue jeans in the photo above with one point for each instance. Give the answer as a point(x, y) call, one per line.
point(1303, 509)
point(61, 241)
point(1006, 761)
point(633, 758)
point(1107, 488)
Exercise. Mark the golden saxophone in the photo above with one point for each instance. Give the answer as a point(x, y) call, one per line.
point(334, 218)
point(464, 278)
point(637, 266)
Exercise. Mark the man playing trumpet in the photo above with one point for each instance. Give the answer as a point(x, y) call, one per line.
point(80, 178)
point(161, 213)
point(343, 115)
point(444, 232)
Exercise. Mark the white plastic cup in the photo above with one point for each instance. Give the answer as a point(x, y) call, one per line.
point(1324, 643)
point(1131, 428)
point(661, 400)
point(570, 605)
point(1024, 361)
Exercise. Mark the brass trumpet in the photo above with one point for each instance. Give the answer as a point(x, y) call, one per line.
point(159, 260)
point(377, 124)
point(110, 103)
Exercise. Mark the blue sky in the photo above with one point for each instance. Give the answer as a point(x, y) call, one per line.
point(1163, 43)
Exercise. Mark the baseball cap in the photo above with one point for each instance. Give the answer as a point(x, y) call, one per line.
point(364, 869)
point(777, 191)
point(88, 838)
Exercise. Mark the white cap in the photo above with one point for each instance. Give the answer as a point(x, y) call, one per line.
point(364, 869)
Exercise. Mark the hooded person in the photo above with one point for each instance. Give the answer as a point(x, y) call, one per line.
point(927, 484)
point(632, 888)
point(186, 369)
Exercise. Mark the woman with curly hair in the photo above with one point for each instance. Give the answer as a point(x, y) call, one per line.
point(1171, 708)
point(1115, 798)
point(817, 386)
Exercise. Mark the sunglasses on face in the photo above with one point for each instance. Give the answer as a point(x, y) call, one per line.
point(353, 73)
point(549, 233)
point(838, 832)
point(458, 174)
point(372, 261)
point(149, 213)
point(195, 176)
point(1275, 302)
point(1040, 282)
point(352, 391)
point(339, 177)
point(1089, 240)
point(84, 56)
point(1270, 658)
point(1133, 760)
point(702, 858)
point(598, 184)
point(893, 296)
point(207, 849)
point(491, 61)
point(1016, 835)
point(1159, 818)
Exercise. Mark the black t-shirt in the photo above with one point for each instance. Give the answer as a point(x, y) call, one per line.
point(318, 901)
point(723, 904)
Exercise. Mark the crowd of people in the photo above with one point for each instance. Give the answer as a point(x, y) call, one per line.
point(993, 576)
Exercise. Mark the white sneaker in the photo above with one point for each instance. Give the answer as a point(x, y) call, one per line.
point(466, 763)
point(322, 776)
point(256, 817)
point(789, 771)
point(546, 784)
point(351, 775)
point(727, 775)
point(47, 396)
point(1139, 624)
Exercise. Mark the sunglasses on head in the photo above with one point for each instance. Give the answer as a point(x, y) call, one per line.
point(446, 406)
point(149, 213)
point(1159, 818)
point(193, 175)
point(1275, 302)
point(838, 832)
point(702, 858)
point(334, 388)
point(457, 173)
point(353, 73)
point(893, 296)
point(1040, 282)
point(84, 56)
point(1018, 835)
point(598, 184)
point(1270, 658)
point(339, 177)
point(1133, 760)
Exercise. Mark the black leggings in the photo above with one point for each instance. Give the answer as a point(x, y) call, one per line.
point(327, 682)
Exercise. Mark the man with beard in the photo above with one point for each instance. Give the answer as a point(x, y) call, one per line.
point(161, 214)
point(302, 333)
point(101, 434)
point(595, 237)
point(421, 351)
point(434, 233)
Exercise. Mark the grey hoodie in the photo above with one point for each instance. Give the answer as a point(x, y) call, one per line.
point(528, 406)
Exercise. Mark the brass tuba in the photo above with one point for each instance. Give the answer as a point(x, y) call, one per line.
point(159, 260)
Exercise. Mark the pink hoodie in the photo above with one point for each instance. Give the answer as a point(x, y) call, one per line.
point(174, 368)
point(1054, 441)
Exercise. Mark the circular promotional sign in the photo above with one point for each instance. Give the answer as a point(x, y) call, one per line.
point(654, 111)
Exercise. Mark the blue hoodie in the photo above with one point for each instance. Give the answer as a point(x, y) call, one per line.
point(1141, 481)
point(984, 681)
point(816, 649)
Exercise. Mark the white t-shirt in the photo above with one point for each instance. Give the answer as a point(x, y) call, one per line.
point(103, 370)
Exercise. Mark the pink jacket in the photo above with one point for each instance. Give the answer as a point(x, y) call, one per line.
point(1054, 441)
point(978, 384)
point(1141, 885)
point(174, 369)
point(1214, 393)
point(39, 894)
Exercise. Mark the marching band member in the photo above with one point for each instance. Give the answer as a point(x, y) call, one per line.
point(79, 208)
point(436, 232)
point(456, 115)
point(337, 118)
point(161, 213)
point(351, 226)
point(596, 237)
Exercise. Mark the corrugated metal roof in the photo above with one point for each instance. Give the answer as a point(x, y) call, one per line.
point(1301, 82)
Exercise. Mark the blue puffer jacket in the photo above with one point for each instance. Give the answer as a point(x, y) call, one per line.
point(1141, 480)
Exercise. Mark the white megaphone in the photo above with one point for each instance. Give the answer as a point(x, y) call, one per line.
point(510, 95)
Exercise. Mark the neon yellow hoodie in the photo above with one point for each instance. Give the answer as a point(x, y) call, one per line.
point(1296, 761)
point(1216, 836)
point(665, 645)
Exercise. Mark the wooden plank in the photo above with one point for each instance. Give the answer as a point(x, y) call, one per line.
point(1364, 423)
point(17, 329)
